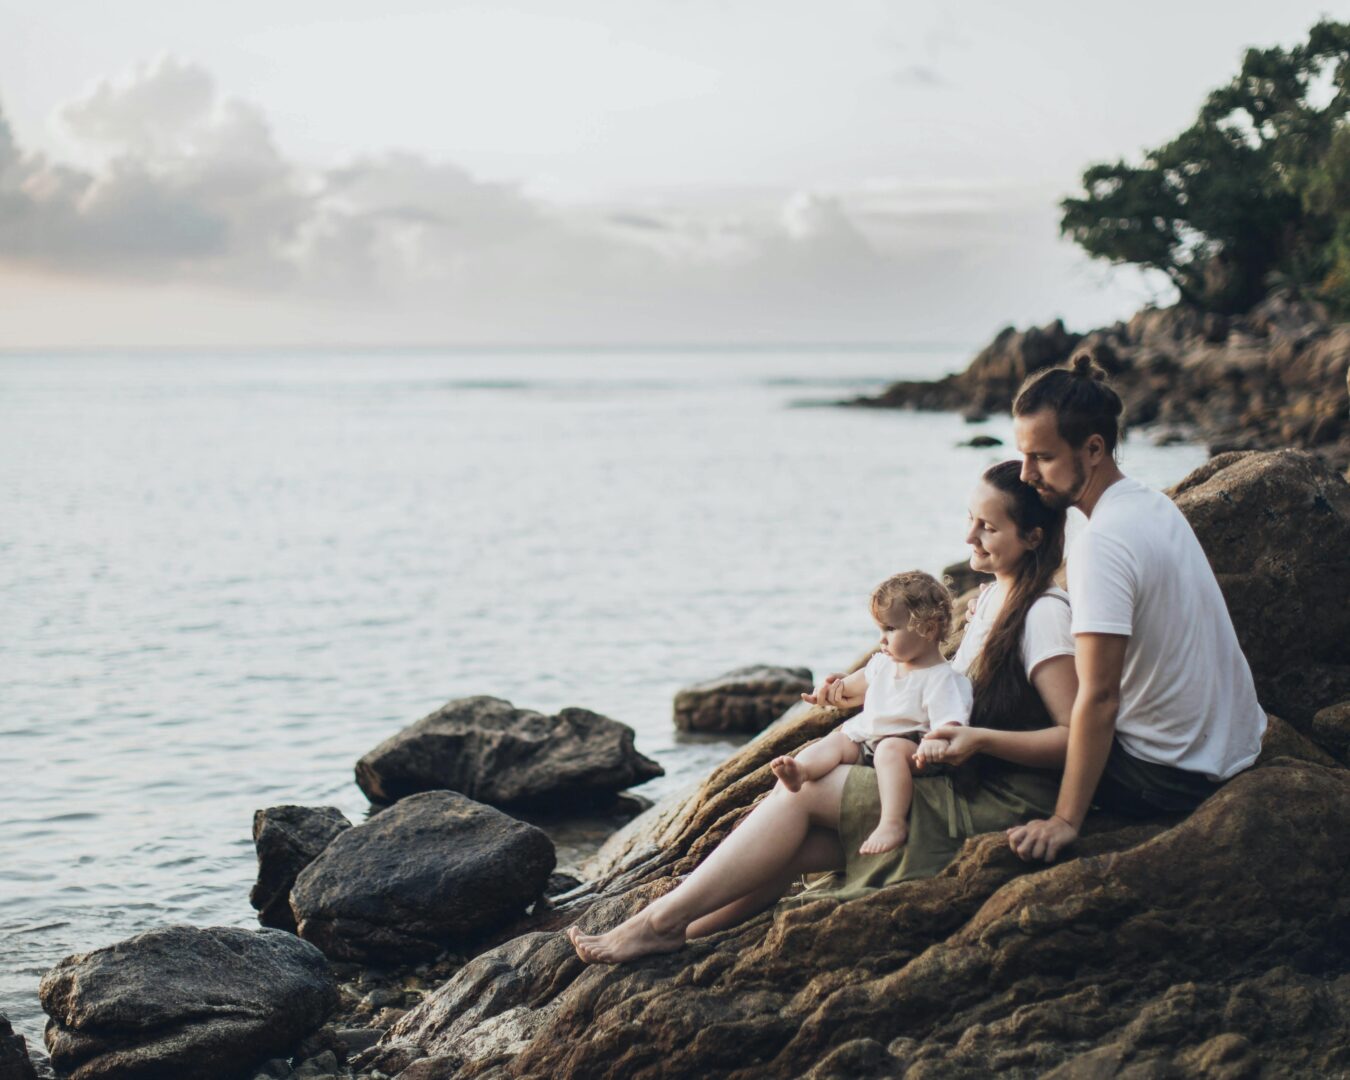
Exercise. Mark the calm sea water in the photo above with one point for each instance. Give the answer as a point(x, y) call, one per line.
point(223, 578)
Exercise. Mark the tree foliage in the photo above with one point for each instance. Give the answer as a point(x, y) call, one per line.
point(1256, 193)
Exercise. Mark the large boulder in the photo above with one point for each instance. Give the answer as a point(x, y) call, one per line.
point(745, 700)
point(287, 839)
point(14, 1061)
point(1220, 940)
point(491, 751)
point(1276, 529)
point(183, 1001)
point(434, 870)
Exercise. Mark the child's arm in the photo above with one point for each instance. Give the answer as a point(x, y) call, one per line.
point(840, 691)
point(947, 705)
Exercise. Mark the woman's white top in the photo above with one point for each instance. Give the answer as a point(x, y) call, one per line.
point(1048, 631)
point(902, 703)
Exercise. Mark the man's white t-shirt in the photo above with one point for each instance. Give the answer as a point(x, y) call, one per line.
point(914, 702)
point(1186, 693)
point(1045, 634)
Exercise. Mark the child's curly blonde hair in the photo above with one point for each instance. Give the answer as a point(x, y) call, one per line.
point(927, 600)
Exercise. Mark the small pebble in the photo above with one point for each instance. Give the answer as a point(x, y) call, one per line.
point(381, 998)
point(358, 1038)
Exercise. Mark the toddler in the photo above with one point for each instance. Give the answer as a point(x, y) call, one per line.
point(906, 689)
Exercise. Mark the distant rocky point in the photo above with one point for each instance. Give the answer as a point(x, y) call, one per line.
point(1273, 378)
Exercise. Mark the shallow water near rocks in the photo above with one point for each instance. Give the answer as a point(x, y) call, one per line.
point(227, 576)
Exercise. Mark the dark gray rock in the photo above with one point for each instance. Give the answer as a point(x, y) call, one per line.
point(288, 838)
point(14, 1060)
point(491, 751)
point(183, 1001)
point(980, 442)
point(434, 870)
point(747, 699)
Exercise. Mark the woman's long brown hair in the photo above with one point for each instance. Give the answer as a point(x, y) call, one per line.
point(998, 675)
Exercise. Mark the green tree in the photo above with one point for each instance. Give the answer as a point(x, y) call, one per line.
point(1255, 192)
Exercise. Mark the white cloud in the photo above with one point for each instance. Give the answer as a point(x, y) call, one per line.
point(156, 109)
point(193, 190)
point(919, 75)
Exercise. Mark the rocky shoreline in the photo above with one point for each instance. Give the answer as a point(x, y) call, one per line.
point(426, 941)
point(1274, 378)
point(1213, 945)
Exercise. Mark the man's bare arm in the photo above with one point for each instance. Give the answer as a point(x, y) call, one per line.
point(1100, 661)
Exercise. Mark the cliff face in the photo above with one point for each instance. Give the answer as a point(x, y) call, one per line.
point(1214, 945)
point(1275, 377)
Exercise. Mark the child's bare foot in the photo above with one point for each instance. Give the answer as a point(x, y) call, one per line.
point(629, 940)
point(884, 838)
point(789, 771)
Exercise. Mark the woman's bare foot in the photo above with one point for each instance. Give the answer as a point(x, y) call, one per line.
point(885, 837)
point(788, 770)
point(629, 940)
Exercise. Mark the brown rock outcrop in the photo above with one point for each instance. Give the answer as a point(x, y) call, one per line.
point(1272, 378)
point(1331, 729)
point(1276, 528)
point(1151, 945)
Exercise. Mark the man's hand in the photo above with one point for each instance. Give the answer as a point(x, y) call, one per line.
point(951, 745)
point(827, 693)
point(1042, 840)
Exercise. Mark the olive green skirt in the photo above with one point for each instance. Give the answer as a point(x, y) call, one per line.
point(946, 811)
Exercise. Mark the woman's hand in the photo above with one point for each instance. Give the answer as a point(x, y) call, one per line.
point(950, 745)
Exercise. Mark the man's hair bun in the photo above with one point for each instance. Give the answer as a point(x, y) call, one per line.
point(1084, 367)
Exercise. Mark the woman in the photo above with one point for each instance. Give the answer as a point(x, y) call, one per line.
point(1018, 652)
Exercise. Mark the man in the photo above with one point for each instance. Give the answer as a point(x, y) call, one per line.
point(1166, 709)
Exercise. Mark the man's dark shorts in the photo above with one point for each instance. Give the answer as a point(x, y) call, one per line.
point(1144, 789)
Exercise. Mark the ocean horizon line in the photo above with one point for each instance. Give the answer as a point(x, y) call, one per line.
point(500, 348)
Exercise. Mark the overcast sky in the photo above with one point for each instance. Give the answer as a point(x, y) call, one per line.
point(636, 171)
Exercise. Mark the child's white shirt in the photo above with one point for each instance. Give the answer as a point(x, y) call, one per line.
point(914, 702)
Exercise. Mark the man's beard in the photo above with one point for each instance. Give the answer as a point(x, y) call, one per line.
point(1062, 500)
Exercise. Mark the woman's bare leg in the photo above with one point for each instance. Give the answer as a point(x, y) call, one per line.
point(756, 855)
point(820, 851)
